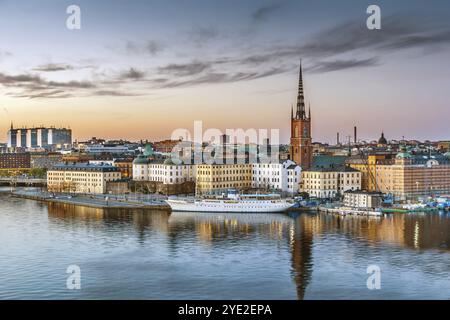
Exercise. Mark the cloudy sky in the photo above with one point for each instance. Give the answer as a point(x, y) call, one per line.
point(140, 69)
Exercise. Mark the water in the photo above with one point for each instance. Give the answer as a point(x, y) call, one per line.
point(139, 254)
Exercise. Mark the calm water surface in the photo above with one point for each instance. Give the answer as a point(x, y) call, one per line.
point(141, 254)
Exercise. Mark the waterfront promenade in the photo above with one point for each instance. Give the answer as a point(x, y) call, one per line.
point(96, 201)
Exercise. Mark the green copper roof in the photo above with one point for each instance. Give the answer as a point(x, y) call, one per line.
point(148, 151)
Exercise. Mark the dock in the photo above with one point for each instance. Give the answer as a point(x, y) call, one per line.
point(91, 202)
point(343, 211)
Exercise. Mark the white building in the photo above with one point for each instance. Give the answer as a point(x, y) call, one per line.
point(102, 162)
point(362, 199)
point(284, 176)
point(165, 172)
point(330, 182)
point(81, 178)
point(39, 137)
point(106, 148)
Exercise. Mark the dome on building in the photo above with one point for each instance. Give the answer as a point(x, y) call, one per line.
point(382, 139)
point(447, 154)
point(141, 159)
point(148, 150)
point(403, 154)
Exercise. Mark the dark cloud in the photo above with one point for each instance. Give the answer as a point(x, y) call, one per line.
point(335, 65)
point(113, 93)
point(47, 94)
point(223, 77)
point(52, 67)
point(397, 32)
point(150, 47)
point(264, 12)
point(33, 86)
point(186, 69)
point(132, 74)
point(201, 34)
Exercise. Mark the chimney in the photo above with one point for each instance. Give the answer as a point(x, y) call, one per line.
point(355, 134)
point(337, 138)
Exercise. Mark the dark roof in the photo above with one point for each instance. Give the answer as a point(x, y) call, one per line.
point(85, 167)
point(324, 161)
point(332, 169)
point(372, 193)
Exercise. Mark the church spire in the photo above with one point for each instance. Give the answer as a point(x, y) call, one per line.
point(12, 126)
point(300, 114)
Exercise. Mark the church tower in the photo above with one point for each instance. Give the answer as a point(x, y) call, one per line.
point(301, 142)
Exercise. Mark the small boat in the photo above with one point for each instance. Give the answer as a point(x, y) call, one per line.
point(233, 202)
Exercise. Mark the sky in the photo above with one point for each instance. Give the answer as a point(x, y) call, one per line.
point(141, 69)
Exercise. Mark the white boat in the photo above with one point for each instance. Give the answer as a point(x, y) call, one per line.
point(255, 203)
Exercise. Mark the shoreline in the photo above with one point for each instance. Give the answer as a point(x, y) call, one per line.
point(91, 203)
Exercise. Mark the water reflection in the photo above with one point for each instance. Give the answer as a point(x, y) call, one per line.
point(298, 234)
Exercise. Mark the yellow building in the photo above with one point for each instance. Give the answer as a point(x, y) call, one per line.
point(368, 168)
point(330, 182)
point(410, 177)
point(81, 178)
point(217, 178)
point(405, 176)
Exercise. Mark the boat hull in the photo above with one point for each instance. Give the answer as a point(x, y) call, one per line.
point(231, 207)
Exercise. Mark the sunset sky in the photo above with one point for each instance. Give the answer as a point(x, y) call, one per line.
point(141, 69)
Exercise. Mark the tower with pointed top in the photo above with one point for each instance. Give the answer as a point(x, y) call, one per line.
point(301, 142)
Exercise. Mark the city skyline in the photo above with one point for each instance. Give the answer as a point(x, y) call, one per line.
point(144, 69)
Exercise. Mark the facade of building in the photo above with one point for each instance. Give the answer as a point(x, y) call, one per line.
point(165, 172)
point(106, 148)
point(125, 165)
point(39, 137)
point(330, 182)
point(15, 162)
point(81, 178)
point(363, 199)
point(301, 149)
point(45, 160)
point(404, 175)
point(284, 176)
point(367, 165)
point(218, 178)
point(412, 176)
point(77, 157)
point(165, 146)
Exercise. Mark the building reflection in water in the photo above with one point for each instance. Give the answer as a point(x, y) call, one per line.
point(296, 233)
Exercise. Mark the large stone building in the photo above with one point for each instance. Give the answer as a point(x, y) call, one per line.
point(284, 176)
point(404, 175)
point(301, 149)
point(14, 162)
point(166, 172)
point(81, 178)
point(45, 160)
point(218, 178)
point(367, 165)
point(413, 176)
point(330, 182)
point(40, 137)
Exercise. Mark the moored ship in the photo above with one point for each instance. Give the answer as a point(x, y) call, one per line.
point(252, 203)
